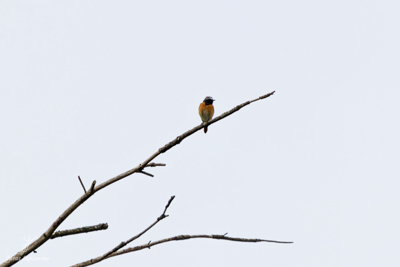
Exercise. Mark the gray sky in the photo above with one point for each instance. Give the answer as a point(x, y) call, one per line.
point(92, 88)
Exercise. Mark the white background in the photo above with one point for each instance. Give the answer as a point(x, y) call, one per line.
point(92, 88)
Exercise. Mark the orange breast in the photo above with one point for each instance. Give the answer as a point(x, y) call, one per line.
point(206, 112)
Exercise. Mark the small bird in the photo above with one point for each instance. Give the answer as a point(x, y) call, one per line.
point(206, 110)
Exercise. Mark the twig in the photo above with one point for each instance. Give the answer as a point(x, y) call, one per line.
point(46, 235)
point(185, 237)
point(166, 207)
point(180, 238)
point(86, 229)
point(122, 244)
point(146, 173)
point(84, 189)
point(91, 190)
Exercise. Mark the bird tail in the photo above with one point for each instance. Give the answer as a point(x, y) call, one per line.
point(205, 129)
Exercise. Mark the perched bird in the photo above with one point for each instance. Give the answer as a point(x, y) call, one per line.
point(206, 110)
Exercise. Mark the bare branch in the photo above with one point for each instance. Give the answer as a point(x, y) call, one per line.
point(46, 235)
point(91, 190)
point(166, 207)
point(146, 173)
point(177, 141)
point(84, 189)
point(122, 244)
point(185, 237)
point(86, 229)
point(180, 238)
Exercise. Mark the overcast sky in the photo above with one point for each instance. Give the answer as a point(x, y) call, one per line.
point(93, 88)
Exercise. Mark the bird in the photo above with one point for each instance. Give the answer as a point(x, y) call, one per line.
point(206, 110)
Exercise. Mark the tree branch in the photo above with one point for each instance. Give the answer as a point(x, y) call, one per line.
point(146, 173)
point(86, 229)
point(177, 141)
point(180, 238)
point(185, 237)
point(46, 235)
point(122, 244)
point(84, 189)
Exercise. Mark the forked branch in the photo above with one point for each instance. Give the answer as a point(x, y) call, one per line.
point(122, 244)
point(116, 251)
point(180, 238)
point(93, 189)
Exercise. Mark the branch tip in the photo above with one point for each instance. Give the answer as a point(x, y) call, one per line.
point(92, 187)
point(84, 189)
point(169, 203)
point(146, 173)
